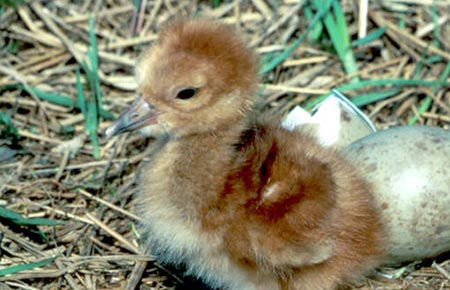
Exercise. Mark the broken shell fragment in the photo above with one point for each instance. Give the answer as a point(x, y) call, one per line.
point(335, 121)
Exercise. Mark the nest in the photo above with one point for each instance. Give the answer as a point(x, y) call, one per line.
point(66, 71)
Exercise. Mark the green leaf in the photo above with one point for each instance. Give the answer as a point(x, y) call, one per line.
point(312, 103)
point(370, 37)
point(24, 267)
point(395, 82)
point(9, 129)
point(281, 57)
point(137, 4)
point(437, 27)
point(23, 221)
point(424, 106)
point(12, 3)
point(215, 3)
point(373, 97)
point(338, 31)
point(93, 56)
point(57, 99)
point(341, 23)
point(94, 104)
point(317, 30)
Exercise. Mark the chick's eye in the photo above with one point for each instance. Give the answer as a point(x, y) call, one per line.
point(186, 94)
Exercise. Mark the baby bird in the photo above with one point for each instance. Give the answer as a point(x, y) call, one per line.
point(243, 204)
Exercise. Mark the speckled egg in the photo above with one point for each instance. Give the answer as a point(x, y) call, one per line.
point(409, 168)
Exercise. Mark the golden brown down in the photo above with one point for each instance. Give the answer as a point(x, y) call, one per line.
point(243, 204)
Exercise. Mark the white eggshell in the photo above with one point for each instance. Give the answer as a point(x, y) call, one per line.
point(409, 168)
point(334, 122)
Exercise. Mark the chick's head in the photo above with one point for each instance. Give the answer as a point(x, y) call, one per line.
point(199, 77)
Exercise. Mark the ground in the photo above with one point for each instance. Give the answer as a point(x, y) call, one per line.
point(66, 71)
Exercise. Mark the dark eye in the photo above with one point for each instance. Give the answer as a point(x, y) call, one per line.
point(187, 93)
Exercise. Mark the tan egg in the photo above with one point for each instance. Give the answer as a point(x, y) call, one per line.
point(409, 168)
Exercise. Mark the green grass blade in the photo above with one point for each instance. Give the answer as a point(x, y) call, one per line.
point(23, 221)
point(433, 59)
point(215, 3)
point(312, 103)
point(424, 106)
point(57, 99)
point(94, 61)
point(92, 107)
point(396, 82)
point(444, 76)
point(437, 27)
point(338, 31)
point(317, 30)
point(359, 101)
point(7, 127)
point(54, 98)
point(24, 267)
point(370, 37)
point(137, 4)
point(341, 23)
point(12, 3)
point(92, 126)
point(278, 59)
point(373, 97)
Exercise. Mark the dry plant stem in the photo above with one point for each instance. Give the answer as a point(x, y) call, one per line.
point(42, 111)
point(363, 15)
point(275, 26)
point(37, 7)
point(303, 61)
point(113, 233)
point(138, 270)
point(379, 106)
point(431, 26)
point(36, 250)
point(103, 13)
point(283, 88)
point(20, 286)
point(149, 20)
point(38, 137)
point(64, 162)
point(370, 69)
point(65, 214)
point(38, 274)
point(67, 276)
point(441, 270)
point(400, 35)
point(110, 205)
point(40, 58)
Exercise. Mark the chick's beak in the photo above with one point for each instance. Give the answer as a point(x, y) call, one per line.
point(138, 115)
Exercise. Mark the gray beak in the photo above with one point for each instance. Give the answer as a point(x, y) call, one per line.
point(138, 115)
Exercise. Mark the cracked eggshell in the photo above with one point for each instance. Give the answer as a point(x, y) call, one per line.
point(334, 122)
point(409, 169)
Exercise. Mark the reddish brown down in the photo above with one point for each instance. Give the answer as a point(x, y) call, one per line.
point(244, 204)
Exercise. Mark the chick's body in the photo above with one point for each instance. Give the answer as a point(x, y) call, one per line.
point(243, 205)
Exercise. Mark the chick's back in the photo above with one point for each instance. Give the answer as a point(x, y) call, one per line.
point(297, 210)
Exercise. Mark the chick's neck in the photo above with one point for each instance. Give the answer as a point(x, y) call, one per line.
point(200, 164)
